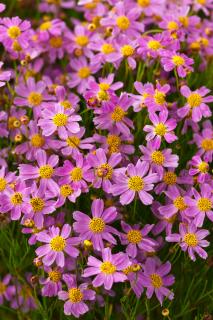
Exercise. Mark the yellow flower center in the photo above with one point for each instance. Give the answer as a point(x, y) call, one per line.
point(66, 104)
point(194, 100)
point(16, 198)
point(172, 25)
point(158, 157)
point(57, 243)
point(37, 204)
point(54, 275)
point(156, 280)
point(160, 129)
point(204, 41)
point(123, 22)
point(144, 3)
point(45, 26)
point(107, 48)
point(107, 267)
point(104, 171)
point(37, 140)
point(13, 32)
point(73, 141)
point(184, 20)
point(56, 42)
point(204, 204)
point(56, 2)
point(135, 183)
point(190, 239)
point(84, 72)
point(154, 45)
point(170, 178)
point(134, 236)
point(60, 119)
point(103, 95)
point(203, 167)
point(76, 174)
point(35, 99)
point(66, 190)
point(127, 50)
point(159, 97)
point(75, 295)
point(202, 2)
point(178, 60)
point(97, 225)
point(3, 184)
point(82, 40)
point(114, 143)
point(46, 171)
point(179, 203)
point(118, 114)
point(133, 268)
point(104, 86)
point(2, 288)
point(207, 144)
point(16, 46)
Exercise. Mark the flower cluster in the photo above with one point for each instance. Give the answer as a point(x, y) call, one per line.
point(110, 146)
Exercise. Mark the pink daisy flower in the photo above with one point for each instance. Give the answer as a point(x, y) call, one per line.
point(96, 229)
point(75, 296)
point(57, 243)
point(179, 61)
point(196, 103)
point(135, 181)
point(190, 239)
point(7, 290)
point(199, 168)
point(4, 75)
point(109, 270)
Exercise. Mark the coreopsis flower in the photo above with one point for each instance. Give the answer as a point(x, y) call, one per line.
point(134, 276)
point(199, 168)
point(104, 169)
point(57, 243)
point(204, 141)
point(7, 290)
point(96, 228)
point(196, 103)
point(139, 101)
point(136, 239)
point(205, 5)
point(45, 171)
point(6, 178)
point(156, 279)
point(60, 120)
point(4, 75)
point(179, 61)
point(23, 298)
point(157, 159)
point(114, 115)
point(53, 283)
point(156, 98)
point(153, 46)
point(107, 271)
point(150, 7)
point(162, 127)
point(200, 205)
point(136, 180)
point(190, 239)
point(163, 223)
point(50, 28)
point(75, 296)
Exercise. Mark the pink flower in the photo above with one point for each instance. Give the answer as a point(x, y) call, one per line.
point(179, 61)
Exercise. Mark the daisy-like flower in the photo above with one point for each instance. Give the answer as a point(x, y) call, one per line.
point(50, 28)
point(33, 94)
point(103, 170)
point(135, 181)
point(76, 175)
point(196, 103)
point(134, 275)
point(114, 115)
point(15, 201)
point(156, 98)
point(139, 101)
point(45, 171)
point(6, 290)
point(82, 74)
point(4, 75)
point(60, 120)
point(190, 239)
point(151, 7)
point(157, 159)
point(53, 283)
point(136, 239)
point(109, 270)
point(96, 229)
point(204, 141)
point(199, 168)
point(162, 127)
point(6, 178)
point(175, 60)
point(75, 296)
point(156, 279)
point(200, 205)
point(124, 20)
point(57, 243)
